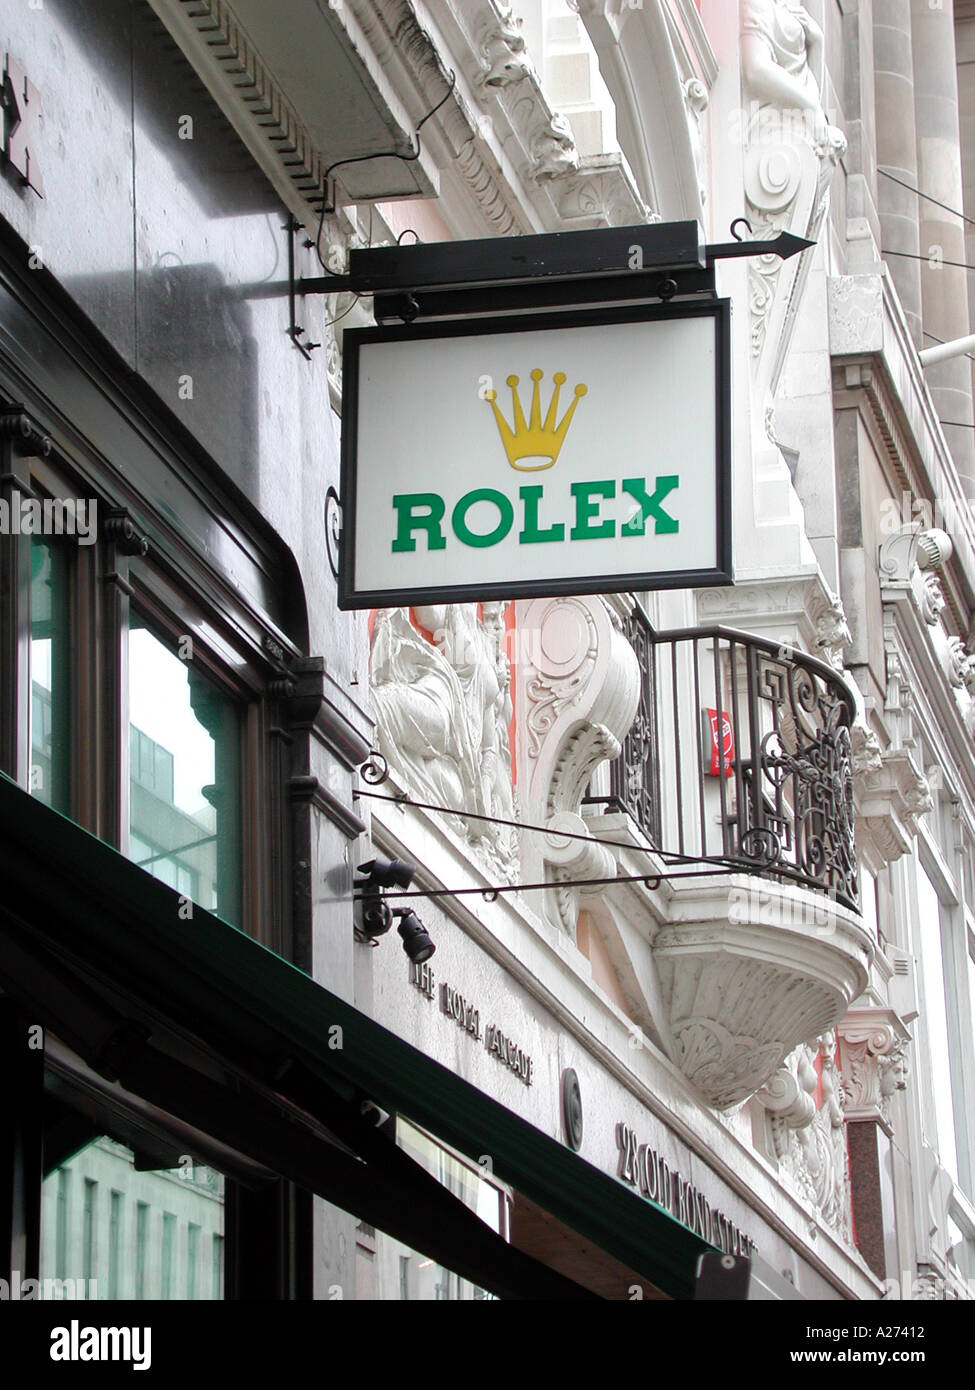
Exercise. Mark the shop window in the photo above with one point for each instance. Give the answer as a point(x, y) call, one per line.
point(184, 774)
point(173, 1249)
point(50, 673)
point(136, 707)
point(936, 1022)
point(410, 1276)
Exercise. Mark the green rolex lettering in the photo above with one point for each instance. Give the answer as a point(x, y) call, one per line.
point(586, 527)
point(530, 533)
point(650, 506)
point(506, 516)
point(408, 521)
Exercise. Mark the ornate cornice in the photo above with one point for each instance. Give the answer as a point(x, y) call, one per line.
point(522, 146)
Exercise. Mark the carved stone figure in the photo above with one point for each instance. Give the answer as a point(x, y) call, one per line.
point(442, 713)
point(791, 152)
point(697, 98)
point(810, 1141)
point(503, 51)
point(782, 60)
point(554, 149)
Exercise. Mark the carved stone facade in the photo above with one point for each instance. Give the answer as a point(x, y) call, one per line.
point(791, 154)
point(809, 1138)
point(873, 1048)
point(578, 694)
point(440, 687)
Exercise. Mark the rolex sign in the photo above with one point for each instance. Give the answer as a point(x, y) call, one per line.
point(578, 453)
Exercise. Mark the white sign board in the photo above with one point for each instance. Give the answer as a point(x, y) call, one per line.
point(579, 453)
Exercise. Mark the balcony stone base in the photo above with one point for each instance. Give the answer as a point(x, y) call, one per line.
point(750, 970)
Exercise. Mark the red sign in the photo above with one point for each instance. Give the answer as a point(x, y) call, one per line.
point(718, 749)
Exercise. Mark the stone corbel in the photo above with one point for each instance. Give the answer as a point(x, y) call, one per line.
point(908, 548)
point(578, 689)
point(873, 1061)
point(832, 631)
point(891, 800)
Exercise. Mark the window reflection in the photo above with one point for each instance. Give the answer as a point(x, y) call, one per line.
point(939, 1045)
point(404, 1274)
point(50, 675)
point(184, 738)
point(110, 1231)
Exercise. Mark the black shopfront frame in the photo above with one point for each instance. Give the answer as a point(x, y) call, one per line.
point(351, 597)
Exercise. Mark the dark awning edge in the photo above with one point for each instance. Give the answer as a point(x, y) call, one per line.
point(248, 1003)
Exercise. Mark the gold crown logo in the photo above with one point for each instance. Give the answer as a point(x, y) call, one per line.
point(534, 446)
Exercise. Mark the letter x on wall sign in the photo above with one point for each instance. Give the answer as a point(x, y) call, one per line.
point(21, 108)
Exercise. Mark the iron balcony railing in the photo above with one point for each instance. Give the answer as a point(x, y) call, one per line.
point(740, 756)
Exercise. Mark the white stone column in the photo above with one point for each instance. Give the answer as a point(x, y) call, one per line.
point(944, 288)
point(896, 150)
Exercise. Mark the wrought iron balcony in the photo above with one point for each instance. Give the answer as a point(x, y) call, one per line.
point(740, 756)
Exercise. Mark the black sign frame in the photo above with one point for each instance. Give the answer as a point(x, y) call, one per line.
point(351, 598)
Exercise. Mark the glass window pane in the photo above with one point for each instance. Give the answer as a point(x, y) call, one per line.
point(933, 986)
point(403, 1273)
point(50, 675)
point(184, 747)
point(110, 1231)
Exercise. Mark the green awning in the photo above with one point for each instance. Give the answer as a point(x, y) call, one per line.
point(105, 917)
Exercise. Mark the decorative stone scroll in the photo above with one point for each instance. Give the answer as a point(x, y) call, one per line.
point(578, 690)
